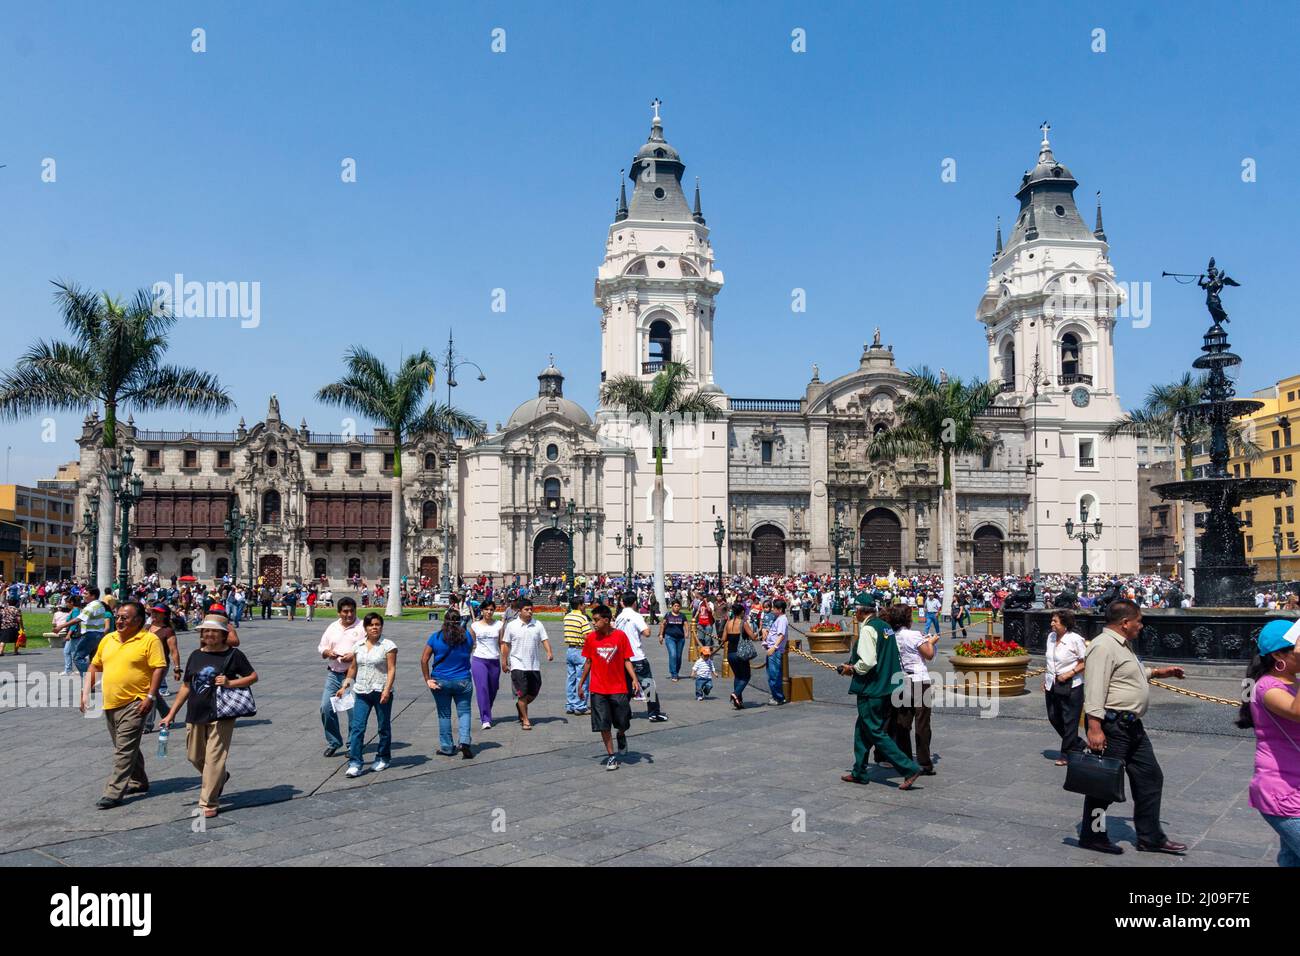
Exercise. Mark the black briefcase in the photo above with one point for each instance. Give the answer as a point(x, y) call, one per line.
point(1096, 776)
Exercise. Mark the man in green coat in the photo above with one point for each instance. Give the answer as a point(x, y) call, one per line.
point(877, 674)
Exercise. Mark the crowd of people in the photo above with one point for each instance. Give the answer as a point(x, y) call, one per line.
point(128, 647)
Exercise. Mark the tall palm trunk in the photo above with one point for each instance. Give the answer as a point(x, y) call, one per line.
point(659, 498)
point(947, 531)
point(394, 608)
point(107, 509)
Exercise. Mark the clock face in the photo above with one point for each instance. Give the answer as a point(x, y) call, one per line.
point(1080, 397)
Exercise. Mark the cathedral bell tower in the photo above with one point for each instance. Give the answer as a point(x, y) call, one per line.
point(656, 286)
point(1051, 302)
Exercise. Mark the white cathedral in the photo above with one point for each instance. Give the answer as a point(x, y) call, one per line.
point(782, 473)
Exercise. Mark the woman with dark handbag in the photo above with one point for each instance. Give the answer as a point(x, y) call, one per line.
point(740, 651)
point(214, 689)
point(1063, 681)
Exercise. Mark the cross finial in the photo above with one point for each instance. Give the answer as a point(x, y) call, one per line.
point(655, 104)
point(1046, 128)
point(551, 357)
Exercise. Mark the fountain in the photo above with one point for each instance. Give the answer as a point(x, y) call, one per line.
point(1223, 578)
point(1224, 624)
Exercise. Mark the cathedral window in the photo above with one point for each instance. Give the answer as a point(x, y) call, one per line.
point(271, 507)
point(767, 452)
point(430, 461)
point(272, 459)
point(661, 342)
point(552, 452)
point(429, 516)
point(1069, 354)
point(551, 492)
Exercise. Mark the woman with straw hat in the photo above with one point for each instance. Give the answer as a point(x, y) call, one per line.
point(214, 670)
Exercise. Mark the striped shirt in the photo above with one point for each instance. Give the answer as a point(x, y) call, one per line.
point(576, 629)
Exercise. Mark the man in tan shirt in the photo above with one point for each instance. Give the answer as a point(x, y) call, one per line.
point(1115, 697)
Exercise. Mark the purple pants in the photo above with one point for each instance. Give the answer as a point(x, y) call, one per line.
point(487, 678)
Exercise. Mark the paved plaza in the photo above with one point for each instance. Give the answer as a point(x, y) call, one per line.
point(712, 786)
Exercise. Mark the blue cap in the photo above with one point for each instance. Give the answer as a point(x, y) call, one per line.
point(1278, 635)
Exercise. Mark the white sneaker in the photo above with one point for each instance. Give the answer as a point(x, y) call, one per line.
point(378, 765)
point(486, 725)
point(353, 771)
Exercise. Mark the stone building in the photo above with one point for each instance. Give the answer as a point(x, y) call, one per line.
point(320, 504)
point(781, 473)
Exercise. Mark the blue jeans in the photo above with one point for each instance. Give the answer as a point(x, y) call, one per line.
point(357, 721)
point(775, 684)
point(330, 720)
point(573, 661)
point(703, 687)
point(1288, 828)
point(931, 621)
point(67, 655)
point(675, 647)
point(461, 691)
point(87, 644)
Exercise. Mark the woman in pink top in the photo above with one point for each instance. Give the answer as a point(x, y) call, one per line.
point(1273, 709)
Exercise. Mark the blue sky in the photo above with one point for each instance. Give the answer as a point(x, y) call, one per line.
point(478, 171)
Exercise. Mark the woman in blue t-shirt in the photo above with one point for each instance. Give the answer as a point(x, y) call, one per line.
point(672, 631)
point(445, 664)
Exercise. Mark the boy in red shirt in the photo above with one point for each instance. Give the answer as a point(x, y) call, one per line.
point(608, 656)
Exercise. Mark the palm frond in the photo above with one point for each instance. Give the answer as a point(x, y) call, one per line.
point(188, 389)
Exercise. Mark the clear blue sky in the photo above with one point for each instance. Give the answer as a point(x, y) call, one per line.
point(478, 171)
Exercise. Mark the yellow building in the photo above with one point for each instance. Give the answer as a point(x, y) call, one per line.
point(10, 546)
point(1274, 432)
point(45, 517)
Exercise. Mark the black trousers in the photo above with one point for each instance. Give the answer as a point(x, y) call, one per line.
point(1130, 743)
point(913, 715)
point(1063, 714)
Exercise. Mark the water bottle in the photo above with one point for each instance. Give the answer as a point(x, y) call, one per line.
point(162, 741)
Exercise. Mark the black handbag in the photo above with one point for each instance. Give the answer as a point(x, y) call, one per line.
point(1095, 775)
point(1061, 688)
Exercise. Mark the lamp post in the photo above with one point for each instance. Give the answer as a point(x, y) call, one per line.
point(629, 548)
point(1032, 466)
point(1277, 549)
point(838, 535)
point(450, 365)
point(128, 490)
point(719, 535)
point(236, 527)
point(91, 520)
point(570, 529)
point(851, 537)
point(1083, 536)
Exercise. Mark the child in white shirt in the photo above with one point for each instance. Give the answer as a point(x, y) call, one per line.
point(702, 671)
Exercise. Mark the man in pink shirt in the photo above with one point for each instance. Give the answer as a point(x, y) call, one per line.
point(335, 648)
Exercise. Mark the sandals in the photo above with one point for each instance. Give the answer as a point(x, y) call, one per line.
point(209, 812)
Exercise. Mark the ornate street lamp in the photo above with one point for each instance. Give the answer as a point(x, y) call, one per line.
point(128, 491)
point(91, 521)
point(719, 535)
point(237, 526)
point(1083, 536)
point(628, 548)
point(1277, 548)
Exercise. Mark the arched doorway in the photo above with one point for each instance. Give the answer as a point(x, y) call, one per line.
point(880, 542)
point(767, 552)
point(551, 553)
point(429, 568)
point(271, 569)
point(988, 550)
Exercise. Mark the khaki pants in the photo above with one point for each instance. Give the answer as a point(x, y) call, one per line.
point(126, 728)
point(207, 746)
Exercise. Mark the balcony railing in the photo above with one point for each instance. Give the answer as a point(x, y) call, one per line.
point(1008, 385)
point(765, 404)
point(1000, 411)
point(1087, 462)
point(1077, 378)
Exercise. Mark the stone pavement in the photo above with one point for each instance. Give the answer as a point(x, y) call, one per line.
point(710, 787)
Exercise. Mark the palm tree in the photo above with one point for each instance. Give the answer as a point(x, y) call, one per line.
point(393, 401)
point(113, 361)
point(936, 419)
point(1160, 419)
point(666, 404)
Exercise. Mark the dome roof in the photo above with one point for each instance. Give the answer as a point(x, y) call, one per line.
point(550, 400)
point(536, 408)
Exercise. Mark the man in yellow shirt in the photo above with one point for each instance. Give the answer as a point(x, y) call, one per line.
point(132, 661)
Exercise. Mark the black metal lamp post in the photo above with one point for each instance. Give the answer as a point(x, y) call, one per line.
point(128, 490)
point(450, 364)
point(1083, 536)
point(839, 534)
point(719, 535)
point(237, 526)
point(851, 537)
point(91, 521)
point(1277, 548)
point(629, 548)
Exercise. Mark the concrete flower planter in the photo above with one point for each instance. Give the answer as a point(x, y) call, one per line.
point(989, 673)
